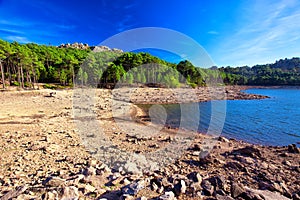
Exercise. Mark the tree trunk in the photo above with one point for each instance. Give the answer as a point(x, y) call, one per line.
point(2, 73)
point(9, 72)
point(19, 77)
point(22, 77)
point(28, 77)
point(73, 76)
point(34, 77)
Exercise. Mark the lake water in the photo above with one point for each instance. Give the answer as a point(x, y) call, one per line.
point(274, 121)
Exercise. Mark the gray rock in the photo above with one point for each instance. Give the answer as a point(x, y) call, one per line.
point(248, 151)
point(126, 197)
point(168, 196)
point(133, 188)
point(236, 190)
point(218, 182)
point(70, 193)
point(14, 193)
point(53, 181)
point(223, 139)
point(90, 171)
point(195, 176)
point(267, 195)
point(131, 167)
point(141, 198)
point(296, 197)
point(292, 148)
point(154, 187)
point(180, 188)
point(221, 197)
point(208, 189)
point(51, 196)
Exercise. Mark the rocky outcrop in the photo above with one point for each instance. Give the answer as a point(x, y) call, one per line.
point(86, 46)
point(75, 46)
point(105, 48)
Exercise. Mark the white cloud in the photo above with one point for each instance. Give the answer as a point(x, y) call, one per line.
point(270, 29)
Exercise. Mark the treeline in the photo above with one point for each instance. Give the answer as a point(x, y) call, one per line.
point(282, 72)
point(106, 69)
point(24, 65)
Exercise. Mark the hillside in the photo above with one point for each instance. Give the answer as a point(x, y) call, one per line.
point(24, 65)
point(282, 72)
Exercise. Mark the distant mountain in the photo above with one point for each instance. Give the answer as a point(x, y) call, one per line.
point(282, 72)
point(287, 64)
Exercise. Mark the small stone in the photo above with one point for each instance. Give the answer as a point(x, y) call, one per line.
point(223, 139)
point(154, 187)
point(51, 195)
point(218, 182)
point(126, 197)
point(131, 167)
point(133, 188)
point(141, 198)
point(248, 151)
point(208, 189)
point(180, 188)
point(93, 163)
point(89, 188)
point(296, 197)
point(70, 193)
point(168, 196)
point(221, 197)
point(236, 190)
point(195, 187)
point(160, 190)
point(196, 147)
point(195, 176)
point(125, 181)
point(54, 182)
point(292, 148)
point(90, 171)
point(287, 163)
point(246, 160)
point(14, 193)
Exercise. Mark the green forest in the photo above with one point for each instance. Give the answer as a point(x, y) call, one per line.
point(25, 65)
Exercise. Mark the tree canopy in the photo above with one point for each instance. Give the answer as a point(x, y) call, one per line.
point(26, 64)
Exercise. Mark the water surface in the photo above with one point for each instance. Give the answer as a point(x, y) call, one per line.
point(274, 121)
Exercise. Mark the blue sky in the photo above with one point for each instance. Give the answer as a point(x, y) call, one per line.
point(233, 32)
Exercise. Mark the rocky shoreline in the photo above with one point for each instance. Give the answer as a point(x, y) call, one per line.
point(43, 156)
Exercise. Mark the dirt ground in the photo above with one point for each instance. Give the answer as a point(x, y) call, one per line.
point(41, 136)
